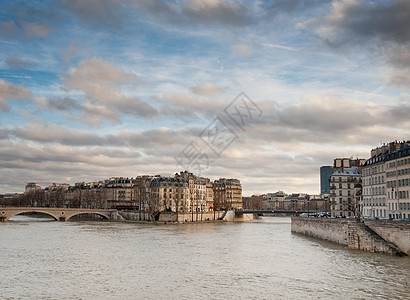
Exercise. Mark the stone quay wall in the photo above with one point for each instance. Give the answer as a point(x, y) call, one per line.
point(170, 217)
point(372, 236)
point(184, 217)
point(396, 232)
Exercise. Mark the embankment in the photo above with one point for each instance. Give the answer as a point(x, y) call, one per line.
point(171, 217)
point(374, 236)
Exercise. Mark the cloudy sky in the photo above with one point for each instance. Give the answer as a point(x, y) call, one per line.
point(91, 89)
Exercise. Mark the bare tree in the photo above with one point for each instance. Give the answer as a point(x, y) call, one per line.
point(99, 198)
point(77, 198)
point(142, 197)
point(86, 198)
point(257, 202)
point(219, 198)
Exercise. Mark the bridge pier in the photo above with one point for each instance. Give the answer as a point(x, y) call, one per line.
point(231, 216)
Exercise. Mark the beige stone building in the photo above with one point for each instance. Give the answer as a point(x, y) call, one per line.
point(345, 187)
point(184, 192)
point(168, 194)
point(120, 192)
point(275, 200)
point(227, 193)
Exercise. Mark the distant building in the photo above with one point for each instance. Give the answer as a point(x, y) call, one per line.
point(298, 201)
point(275, 200)
point(118, 191)
point(325, 172)
point(31, 186)
point(183, 192)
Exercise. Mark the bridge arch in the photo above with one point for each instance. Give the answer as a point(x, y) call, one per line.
point(13, 214)
point(88, 213)
point(59, 214)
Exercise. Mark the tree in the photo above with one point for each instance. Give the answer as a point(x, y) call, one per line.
point(219, 198)
point(257, 202)
point(77, 198)
point(141, 196)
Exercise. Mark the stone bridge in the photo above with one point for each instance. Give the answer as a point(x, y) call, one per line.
point(59, 214)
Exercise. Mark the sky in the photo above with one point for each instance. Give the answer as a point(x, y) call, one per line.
point(263, 91)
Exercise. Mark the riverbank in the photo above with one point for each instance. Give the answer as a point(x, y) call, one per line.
point(388, 237)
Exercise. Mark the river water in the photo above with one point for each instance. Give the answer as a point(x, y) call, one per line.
point(42, 259)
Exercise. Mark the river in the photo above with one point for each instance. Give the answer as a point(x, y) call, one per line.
point(43, 259)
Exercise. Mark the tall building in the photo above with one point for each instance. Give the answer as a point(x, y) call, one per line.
point(345, 187)
point(398, 182)
point(386, 186)
point(325, 172)
point(373, 203)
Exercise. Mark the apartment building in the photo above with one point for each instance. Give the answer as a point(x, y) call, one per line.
point(386, 177)
point(227, 193)
point(373, 202)
point(168, 194)
point(345, 187)
point(398, 182)
point(184, 192)
point(275, 200)
point(120, 192)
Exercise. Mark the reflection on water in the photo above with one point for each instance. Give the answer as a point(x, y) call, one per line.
point(258, 260)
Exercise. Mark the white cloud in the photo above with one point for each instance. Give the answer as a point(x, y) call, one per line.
point(101, 83)
point(207, 89)
point(242, 50)
point(35, 29)
point(9, 91)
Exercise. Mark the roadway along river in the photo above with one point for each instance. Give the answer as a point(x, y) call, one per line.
point(259, 260)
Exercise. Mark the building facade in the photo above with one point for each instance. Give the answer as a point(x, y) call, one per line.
point(373, 204)
point(398, 182)
point(184, 192)
point(346, 187)
point(386, 177)
point(227, 193)
point(275, 200)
